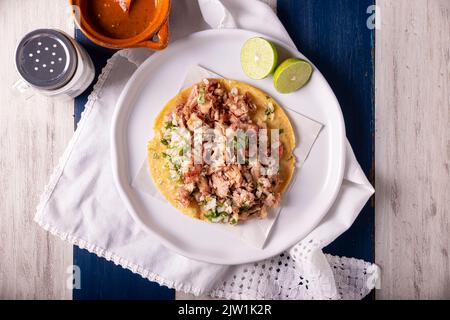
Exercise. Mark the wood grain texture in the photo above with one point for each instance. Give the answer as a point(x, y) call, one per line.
point(413, 149)
point(33, 135)
point(333, 34)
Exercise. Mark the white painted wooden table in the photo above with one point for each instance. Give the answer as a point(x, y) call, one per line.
point(412, 154)
point(412, 149)
point(33, 135)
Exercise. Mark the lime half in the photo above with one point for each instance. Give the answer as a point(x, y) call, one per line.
point(258, 58)
point(292, 75)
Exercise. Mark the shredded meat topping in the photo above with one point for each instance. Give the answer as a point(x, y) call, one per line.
point(225, 192)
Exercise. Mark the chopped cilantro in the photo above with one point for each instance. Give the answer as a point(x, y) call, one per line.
point(211, 214)
point(244, 209)
point(165, 142)
point(201, 96)
point(270, 111)
point(168, 125)
point(233, 221)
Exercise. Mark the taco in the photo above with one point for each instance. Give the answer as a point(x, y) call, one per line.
point(222, 191)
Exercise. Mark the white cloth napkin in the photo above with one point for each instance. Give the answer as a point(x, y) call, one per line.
point(81, 205)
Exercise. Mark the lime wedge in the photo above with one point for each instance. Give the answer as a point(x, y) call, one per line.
point(258, 58)
point(292, 75)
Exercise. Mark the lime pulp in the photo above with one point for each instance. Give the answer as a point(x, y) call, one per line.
point(259, 58)
point(292, 75)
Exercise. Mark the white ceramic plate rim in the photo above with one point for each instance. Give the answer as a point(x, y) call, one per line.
point(120, 160)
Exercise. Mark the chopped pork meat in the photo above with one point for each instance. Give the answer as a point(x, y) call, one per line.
point(192, 100)
point(272, 200)
point(221, 185)
point(243, 199)
point(234, 175)
point(203, 186)
point(204, 108)
point(229, 192)
point(183, 197)
point(256, 171)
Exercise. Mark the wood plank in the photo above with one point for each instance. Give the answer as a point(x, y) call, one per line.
point(334, 35)
point(33, 135)
point(413, 149)
point(102, 279)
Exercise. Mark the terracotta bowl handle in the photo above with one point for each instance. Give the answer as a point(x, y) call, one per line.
point(162, 39)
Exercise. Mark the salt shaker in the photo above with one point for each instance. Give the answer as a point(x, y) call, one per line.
point(52, 63)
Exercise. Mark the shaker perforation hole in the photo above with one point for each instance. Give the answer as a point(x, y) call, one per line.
point(51, 70)
point(52, 62)
point(30, 55)
point(39, 43)
point(44, 66)
point(36, 68)
point(46, 48)
point(54, 45)
point(37, 60)
point(38, 51)
point(59, 59)
point(53, 53)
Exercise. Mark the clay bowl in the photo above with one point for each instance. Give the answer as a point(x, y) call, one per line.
point(153, 32)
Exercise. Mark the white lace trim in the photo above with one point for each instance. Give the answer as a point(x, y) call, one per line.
point(280, 277)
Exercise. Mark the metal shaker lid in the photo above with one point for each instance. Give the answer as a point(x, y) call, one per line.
point(46, 59)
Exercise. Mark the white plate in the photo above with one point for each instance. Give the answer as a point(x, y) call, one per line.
point(156, 81)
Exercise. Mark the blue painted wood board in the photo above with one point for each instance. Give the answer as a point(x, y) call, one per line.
point(102, 279)
point(334, 35)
